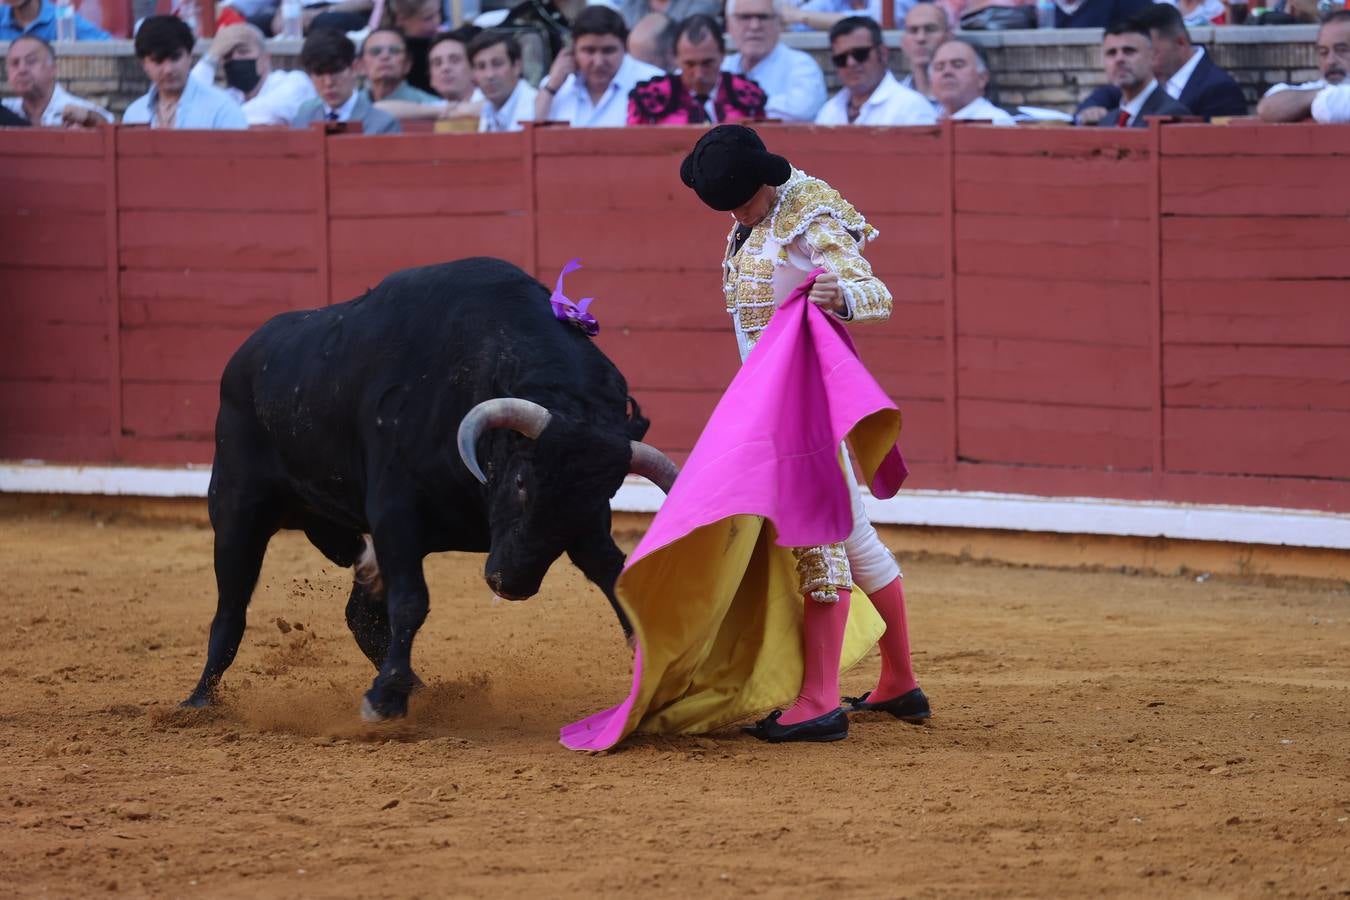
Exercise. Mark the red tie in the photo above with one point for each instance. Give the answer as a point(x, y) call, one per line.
point(1122, 119)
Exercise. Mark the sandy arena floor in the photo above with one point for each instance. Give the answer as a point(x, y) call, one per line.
point(1095, 734)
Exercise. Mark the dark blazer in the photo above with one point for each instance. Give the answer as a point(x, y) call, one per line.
point(373, 121)
point(1210, 92)
point(1099, 13)
point(1157, 104)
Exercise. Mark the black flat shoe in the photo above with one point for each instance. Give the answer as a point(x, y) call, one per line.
point(911, 707)
point(833, 726)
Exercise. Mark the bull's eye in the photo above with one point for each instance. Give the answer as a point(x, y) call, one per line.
point(520, 487)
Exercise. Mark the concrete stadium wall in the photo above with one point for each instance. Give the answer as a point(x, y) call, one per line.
point(1140, 315)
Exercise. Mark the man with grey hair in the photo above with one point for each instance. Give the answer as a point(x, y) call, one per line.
point(267, 96)
point(40, 100)
point(791, 78)
point(959, 76)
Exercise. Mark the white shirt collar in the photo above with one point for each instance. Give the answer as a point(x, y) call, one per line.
point(885, 89)
point(1177, 83)
point(1138, 102)
point(344, 112)
point(504, 119)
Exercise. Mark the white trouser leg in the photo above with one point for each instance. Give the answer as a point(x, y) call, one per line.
point(873, 565)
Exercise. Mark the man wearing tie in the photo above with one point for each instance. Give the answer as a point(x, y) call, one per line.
point(700, 91)
point(1127, 52)
point(327, 57)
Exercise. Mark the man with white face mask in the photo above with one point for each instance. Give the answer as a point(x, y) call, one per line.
point(267, 96)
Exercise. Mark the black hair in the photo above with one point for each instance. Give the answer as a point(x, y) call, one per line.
point(1128, 26)
point(163, 37)
point(696, 29)
point(464, 34)
point(491, 38)
point(599, 20)
point(327, 51)
point(855, 23)
point(1162, 18)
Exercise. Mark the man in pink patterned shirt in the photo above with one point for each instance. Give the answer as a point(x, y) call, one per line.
point(700, 92)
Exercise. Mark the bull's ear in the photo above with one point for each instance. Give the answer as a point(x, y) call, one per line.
point(653, 465)
point(524, 416)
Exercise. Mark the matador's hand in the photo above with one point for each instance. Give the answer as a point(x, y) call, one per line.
point(826, 293)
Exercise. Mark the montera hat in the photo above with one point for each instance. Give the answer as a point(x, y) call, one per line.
point(729, 164)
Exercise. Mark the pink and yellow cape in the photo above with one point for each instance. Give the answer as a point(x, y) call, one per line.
point(711, 589)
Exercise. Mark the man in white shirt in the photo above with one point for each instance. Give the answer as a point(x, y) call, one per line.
point(791, 78)
point(871, 95)
point(1287, 103)
point(959, 76)
point(267, 96)
point(508, 98)
point(164, 49)
point(926, 27)
point(589, 82)
point(31, 64)
point(1127, 52)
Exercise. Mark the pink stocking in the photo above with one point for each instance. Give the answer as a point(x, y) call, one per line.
point(822, 645)
point(897, 674)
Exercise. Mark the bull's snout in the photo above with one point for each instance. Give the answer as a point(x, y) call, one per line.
point(494, 580)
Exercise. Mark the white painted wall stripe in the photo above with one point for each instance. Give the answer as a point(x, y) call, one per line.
point(951, 509)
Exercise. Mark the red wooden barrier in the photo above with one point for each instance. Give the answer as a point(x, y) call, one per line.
point(1154, 314)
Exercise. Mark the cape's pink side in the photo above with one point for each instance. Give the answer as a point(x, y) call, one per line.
point(770, 449)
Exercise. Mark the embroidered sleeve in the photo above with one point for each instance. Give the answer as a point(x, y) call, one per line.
point(833, 247)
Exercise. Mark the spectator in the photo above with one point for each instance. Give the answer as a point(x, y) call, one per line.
point(589, 83)
point(822, 15)
point(164, 49)
point(267, 96)
point(385, 63)
point(1192, 78)
point(870, 95)
point(318, 15)
point(329, 57)
point(701, 92)
point(31, 64)
point(1198, 12)
point(926, 27)
point(1324, 99)
point(653, 41)
point(634, 11)
point(37, 18)
point(451, 79)
point(959, 76)
point(508, 99)
point(1095, 13)
point(791, 78)
point(1127, 53)
point(419, 21)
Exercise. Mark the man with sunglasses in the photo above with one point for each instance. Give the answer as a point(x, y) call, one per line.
point(791, 78)
point(871, 95)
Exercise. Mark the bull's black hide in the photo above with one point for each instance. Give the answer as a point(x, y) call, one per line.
point(342, 422)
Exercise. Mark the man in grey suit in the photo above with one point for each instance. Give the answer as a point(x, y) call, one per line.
point(1127, 52)
point(327, 56)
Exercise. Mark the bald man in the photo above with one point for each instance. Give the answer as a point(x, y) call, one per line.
point(926, 28)
point(267, 96)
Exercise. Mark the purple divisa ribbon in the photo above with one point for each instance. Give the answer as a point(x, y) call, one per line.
point(567, 311)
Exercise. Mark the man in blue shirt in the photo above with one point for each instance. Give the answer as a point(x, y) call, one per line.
point(37, 18)
point(164, 47)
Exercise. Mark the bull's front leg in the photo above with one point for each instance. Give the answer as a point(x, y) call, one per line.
point(407, 602)
point(601, 560)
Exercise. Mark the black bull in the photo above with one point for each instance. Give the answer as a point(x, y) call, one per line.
point(446, 409)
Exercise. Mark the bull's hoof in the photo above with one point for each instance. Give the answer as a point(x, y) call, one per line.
point(197, 701)
point(376, 710)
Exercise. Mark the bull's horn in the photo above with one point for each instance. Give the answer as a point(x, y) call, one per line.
point(519, 415)
point(653, 465)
